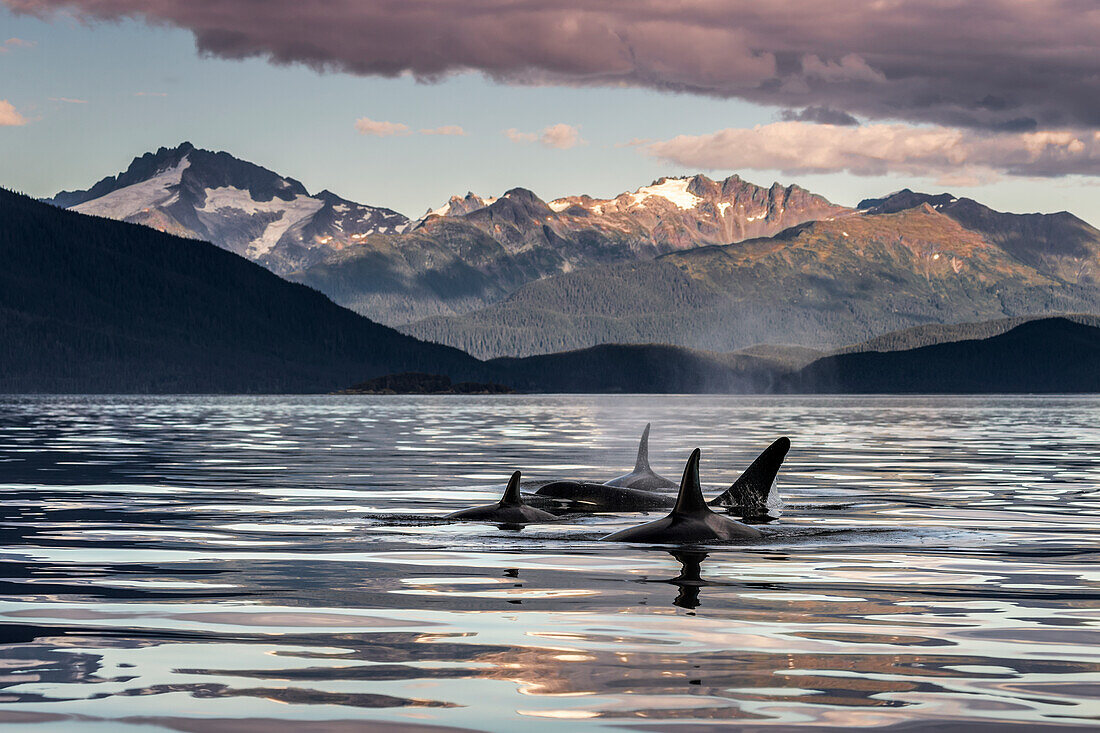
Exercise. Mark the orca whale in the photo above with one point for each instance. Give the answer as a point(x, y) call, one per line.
point(580, 496)
point(747, 497)
point(643, 477)
point(690, 521)
point(509, 510)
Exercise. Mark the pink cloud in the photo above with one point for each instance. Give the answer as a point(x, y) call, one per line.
point(948, 154)
point(445, 130)
point(14, 43)
point(560, 136)
point(520, 137)
point(9, 115)
point(377, 128)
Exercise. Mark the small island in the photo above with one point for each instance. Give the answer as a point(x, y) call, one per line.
point(421, 383)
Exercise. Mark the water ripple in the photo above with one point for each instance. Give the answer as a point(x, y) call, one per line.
point(280, 564)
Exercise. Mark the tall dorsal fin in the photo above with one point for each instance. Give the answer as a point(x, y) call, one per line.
point(690, 501)
point(750, 491)
point(642, 463)
point(511, 494)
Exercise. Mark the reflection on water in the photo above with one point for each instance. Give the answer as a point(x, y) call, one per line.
point(690, 579)
point(279, 564)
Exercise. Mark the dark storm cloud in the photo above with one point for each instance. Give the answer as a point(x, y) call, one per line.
point(821, 115)
point(994, 64)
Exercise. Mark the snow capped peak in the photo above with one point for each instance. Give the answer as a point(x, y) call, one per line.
point(461, 205)
point(674, 190)
point(157, 190)
point(443, 210)
point(233, 203)
point(228, 199)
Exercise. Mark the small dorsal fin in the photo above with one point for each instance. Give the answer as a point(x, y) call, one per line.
point(511, 494)
point(642, 463)
point(690, 501)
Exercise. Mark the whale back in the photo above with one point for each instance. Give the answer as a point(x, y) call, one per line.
point(589, 497)
point(690, 501)
point(511, 509)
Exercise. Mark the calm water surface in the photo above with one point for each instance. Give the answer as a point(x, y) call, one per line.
point(278, 564)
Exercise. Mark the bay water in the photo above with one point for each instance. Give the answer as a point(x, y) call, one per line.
point(281, 564)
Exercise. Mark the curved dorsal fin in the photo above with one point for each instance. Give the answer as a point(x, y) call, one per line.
point(511, 494)
point(642, 463)
point(690, 501)
point(750, 491)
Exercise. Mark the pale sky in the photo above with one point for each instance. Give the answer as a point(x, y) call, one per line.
point(80, 97)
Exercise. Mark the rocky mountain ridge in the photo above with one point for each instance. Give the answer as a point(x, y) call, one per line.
point(820, 284)
point(244, 208)
point(475, 251)
point(468, 253)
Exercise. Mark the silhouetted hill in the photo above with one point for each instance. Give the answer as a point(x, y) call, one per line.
point(940, 333)
point(643, 368)
point(1041, 355)
point(1047, 355)
point(95, 305)
point(420, 383)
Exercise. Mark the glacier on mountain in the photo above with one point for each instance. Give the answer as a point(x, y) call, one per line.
point(133, 199)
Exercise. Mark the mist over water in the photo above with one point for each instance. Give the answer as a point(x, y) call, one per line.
point(280, 564)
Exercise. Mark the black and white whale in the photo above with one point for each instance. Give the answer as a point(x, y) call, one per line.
point(643, 477)
point(509, 510)
point(582, 496)
point(748, 496)
point(690, 521)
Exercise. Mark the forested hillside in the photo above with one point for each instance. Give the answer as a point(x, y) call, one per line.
point(95, 305)
point(824, 284)
point(937, 333)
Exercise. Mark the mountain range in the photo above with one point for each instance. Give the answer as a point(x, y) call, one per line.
point(897, 262)
point(474, 251)
point(469, 253)
point(709, 265)
point(93, 305)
